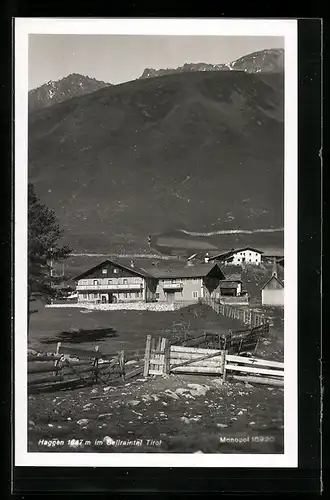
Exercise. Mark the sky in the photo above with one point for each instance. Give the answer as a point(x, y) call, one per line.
point(120, 58)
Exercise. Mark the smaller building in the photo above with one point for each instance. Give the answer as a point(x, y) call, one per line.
point(272, 292)
point(240, 257)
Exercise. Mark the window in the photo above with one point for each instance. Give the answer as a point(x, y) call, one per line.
point(85, 296)
point(84, 282)
point(157, 295)
point(95, 295)
point(109, 282)
point(173, 281)
point(137, 294)
point(125, 295)
point(115, 270)
point(125, 282)
point(136, 280)
point(96, 282)
point(104, 271)
point(195, 295)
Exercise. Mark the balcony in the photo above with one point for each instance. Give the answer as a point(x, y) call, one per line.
point(113, 287)
point(172, 286)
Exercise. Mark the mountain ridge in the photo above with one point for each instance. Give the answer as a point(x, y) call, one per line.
point(53, 92)
point(202, 151)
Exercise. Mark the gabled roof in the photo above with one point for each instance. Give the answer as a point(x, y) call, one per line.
point(226, 255)
point(139, 271)
point(197, 271)
point(270, 279)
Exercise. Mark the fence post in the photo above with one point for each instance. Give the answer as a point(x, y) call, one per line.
point(147, 356)
point(224, 354)
point(121, 359)
point(167, 357)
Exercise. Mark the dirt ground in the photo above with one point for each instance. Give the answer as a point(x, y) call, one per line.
point(178, 414)
point(158, 414)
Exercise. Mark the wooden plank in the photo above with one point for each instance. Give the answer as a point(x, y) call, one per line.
point(162, 356)
point(215, 362)
point(167, 356)
point(254, 361)
point(250, 369)
point(186, 355)
point(258, 380)
point(80, 353)
point(33, 358)
point(192, 350)
point(41, 367)
point(202, 358)
point(51, 378)
point(134, 373)
point(157, 362)
point(147, 356)
point(197, 369)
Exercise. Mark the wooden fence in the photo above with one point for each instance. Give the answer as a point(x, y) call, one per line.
point(245, 315)
point(162, 358)
point(73, 366)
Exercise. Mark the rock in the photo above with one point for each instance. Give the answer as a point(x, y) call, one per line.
point(185, 420)
point(102, 415)
point(222, 425)
point(218, 382)
point(249, 386)
point(146, 397)
point(94, 391)
point(240, 413)
point(252, 423)
point(50, 425)
point(134, 402)
point(69, 418)
point(198, 389)
point(83, 421)
point(181, 391)
point(33, 352)
point(198, 452)
point(171, 394)
point(86, 406)
point(106, 389)
point(156, 398)
point(31, 422)
point(165, 404)
point(131, 362)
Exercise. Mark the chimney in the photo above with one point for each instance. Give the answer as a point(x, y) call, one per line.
point(132, 263)
point(207, 258)
point(274, 272)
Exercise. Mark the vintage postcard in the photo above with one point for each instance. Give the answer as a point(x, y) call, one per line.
point(155, 242)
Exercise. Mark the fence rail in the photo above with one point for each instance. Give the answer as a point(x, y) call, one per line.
point(245, 315)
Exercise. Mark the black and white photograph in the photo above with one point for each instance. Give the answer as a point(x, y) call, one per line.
point(155, 242)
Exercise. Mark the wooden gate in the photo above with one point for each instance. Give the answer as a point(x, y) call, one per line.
point(161, 358)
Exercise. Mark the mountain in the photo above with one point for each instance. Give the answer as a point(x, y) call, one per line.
point(198, 151)
point(71, 86)
point(270, 61)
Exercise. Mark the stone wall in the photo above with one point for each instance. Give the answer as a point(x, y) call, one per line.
point(138, 306)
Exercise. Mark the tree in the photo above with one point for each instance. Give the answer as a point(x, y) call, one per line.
point(44, 235)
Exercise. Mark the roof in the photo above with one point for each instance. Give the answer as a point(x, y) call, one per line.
point(197, 271)
point(270, 279)
point(233, 277)
point(225, 255)
point(139, 271)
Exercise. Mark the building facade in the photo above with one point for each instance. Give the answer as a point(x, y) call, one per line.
point(111, 282)
point(240, 257)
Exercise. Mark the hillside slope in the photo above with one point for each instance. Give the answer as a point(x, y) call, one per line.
point(196, 151)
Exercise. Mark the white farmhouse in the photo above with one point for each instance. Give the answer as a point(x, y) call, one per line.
point(240, 256)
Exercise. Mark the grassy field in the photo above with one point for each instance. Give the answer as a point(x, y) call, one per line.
point(112, 330)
